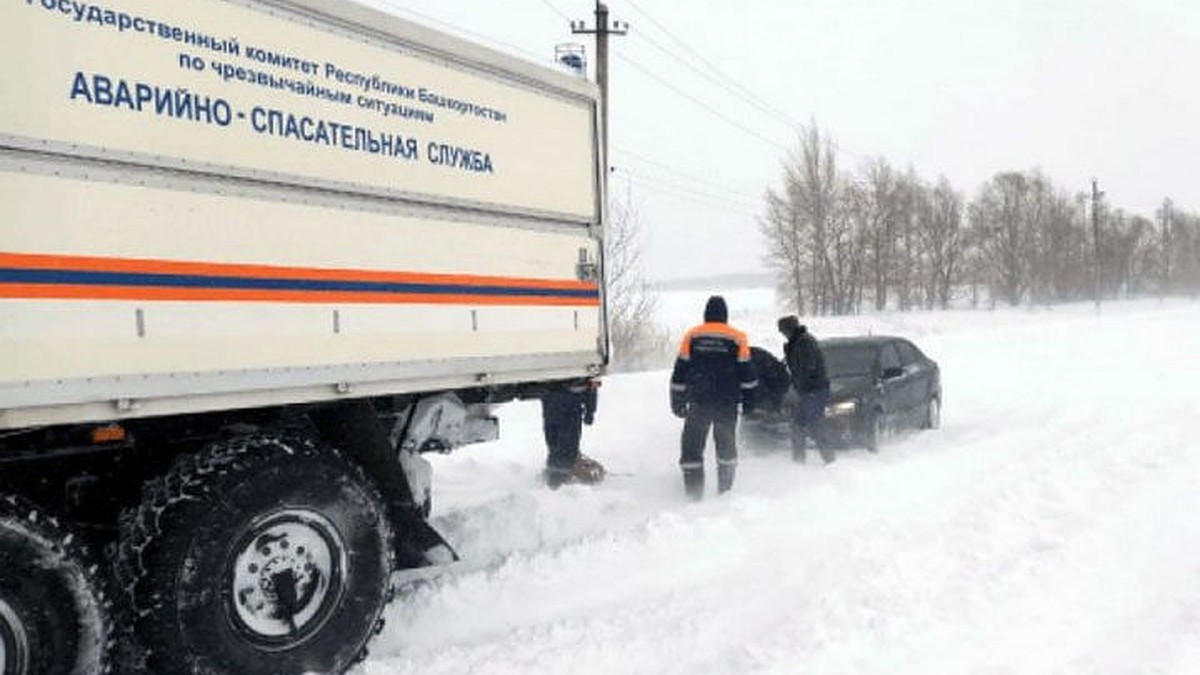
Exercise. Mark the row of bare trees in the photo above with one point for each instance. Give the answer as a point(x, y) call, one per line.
point(882, 237)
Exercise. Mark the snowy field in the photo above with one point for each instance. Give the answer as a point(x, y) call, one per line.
point(1052, 525)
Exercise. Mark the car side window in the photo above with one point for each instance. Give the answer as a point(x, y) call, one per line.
point(888, 358)
point(909, 354)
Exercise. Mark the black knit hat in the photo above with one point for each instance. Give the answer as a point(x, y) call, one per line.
point(789, 325)
point(715, 310)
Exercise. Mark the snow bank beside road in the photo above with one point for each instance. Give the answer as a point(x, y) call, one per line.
point(1049, 527)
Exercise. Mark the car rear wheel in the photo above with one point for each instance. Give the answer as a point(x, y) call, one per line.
point(933, 414)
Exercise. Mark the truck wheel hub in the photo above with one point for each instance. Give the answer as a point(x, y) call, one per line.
point(287, 574)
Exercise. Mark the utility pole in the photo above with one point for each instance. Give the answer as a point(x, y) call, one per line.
point(602, 30)
point(1096, 195)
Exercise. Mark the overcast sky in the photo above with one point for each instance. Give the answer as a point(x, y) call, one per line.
point(1102, 88)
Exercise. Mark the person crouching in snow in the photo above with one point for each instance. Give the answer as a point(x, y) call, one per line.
point(564, 412)
point(713, 373)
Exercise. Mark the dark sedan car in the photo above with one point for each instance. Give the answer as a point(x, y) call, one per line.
point(878, 384)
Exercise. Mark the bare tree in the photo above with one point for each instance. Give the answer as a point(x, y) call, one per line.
point(638, 342)
point(1145, 257)
point(897, 241)
point(940, 237)
point(804, 226)
point(878, 216)
point(1131, 255)
point(905, 253)
point(784, 235)
point(1166, 249)
point(1038, 207)
point(842, 258)
point(1063, 249)
point(1185, 237)
point(999, 216)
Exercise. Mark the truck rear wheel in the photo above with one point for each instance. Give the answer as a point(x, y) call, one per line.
point(54, 617)
point(262, 554)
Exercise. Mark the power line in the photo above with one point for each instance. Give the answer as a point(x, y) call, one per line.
point(670, 86)
point(716, 81)
point(717, 201)
point(728, 83)
point(393, 4)
point(673, 88)
point(702, 104)
point(718, 74)
point(692, 178)
point(691, 197)
point(706, 191)
point(458, 30)
point(690, 193)
point(697, 192)
point(750, 100)
point(396, 6)
point(556, 10)
point(661, 80)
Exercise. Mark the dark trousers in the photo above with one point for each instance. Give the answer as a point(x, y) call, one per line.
point(722, 419)
point(809, 418)
point(562, 423)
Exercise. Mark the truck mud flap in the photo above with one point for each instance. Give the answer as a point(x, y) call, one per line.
point(354, 426)
point(419, 545)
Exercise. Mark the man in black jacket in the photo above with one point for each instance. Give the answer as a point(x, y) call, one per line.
point(807, 366)
point(713, 373)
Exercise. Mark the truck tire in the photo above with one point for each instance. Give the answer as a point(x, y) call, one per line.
point(262, 554)
point(54, 617)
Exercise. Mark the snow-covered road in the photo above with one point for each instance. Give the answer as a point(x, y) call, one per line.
point(1052, 525)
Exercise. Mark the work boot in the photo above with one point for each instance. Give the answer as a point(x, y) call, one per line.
point(827, 453)
point(725, 474)
point(798, 450)
point(587, 471)
point(824, 444)
point(693, 484)
point(555, 477)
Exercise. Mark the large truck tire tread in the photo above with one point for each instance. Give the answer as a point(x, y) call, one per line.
point(260, 554)
point(54, 614)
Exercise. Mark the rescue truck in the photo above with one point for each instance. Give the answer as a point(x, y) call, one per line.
point(256, 258)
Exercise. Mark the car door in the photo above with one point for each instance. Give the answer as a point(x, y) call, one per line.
point(893, 384)
point(917, 380)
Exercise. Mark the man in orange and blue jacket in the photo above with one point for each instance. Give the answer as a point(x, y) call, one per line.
point(713, 373)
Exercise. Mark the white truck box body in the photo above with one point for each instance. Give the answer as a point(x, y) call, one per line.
point(221, 203)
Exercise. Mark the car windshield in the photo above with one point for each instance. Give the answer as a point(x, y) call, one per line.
point(848, 360)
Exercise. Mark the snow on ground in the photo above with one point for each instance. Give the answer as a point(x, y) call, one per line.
point(1052, 525)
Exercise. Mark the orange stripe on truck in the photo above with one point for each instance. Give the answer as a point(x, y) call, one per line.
point(25, 275)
